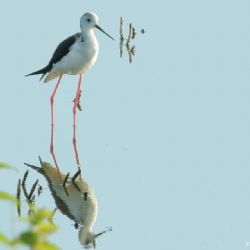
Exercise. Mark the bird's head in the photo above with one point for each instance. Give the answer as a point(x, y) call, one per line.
point(88, 239)
point(90, 21)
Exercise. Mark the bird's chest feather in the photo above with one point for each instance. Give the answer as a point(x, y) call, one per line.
point(81, 57)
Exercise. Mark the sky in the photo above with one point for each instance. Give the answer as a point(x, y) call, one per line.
point(164, 141)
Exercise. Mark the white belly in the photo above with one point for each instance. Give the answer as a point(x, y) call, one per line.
point(81, 57)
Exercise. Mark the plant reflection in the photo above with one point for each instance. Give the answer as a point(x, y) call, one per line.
point(74, 198)
point(131, 36)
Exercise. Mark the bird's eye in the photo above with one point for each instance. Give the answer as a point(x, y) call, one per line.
point(88, 20)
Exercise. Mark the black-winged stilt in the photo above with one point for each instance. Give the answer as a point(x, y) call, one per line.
point(74, 56)
point(75, 198)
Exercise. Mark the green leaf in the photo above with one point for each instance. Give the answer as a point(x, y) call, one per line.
point(4, 239)
point(39, 216)
point(8, 197)
point(47, 228)
point(29, 238)
point(46, 245)
point(4, 165)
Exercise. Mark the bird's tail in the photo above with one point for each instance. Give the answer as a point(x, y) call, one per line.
point(42, 71)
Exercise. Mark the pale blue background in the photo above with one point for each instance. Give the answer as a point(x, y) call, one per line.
point(165, 142)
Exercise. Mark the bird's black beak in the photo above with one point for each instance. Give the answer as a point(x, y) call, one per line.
point(99, 28)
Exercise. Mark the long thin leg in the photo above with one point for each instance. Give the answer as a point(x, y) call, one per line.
point(76, 101)
point(52, 125)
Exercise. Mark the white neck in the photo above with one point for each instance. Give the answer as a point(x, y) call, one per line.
point(86, 230)
point(89, 222)
point(87, 33)
point(86, 236)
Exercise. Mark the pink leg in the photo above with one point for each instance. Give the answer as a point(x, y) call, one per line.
point(52, 124)
point(74, 121)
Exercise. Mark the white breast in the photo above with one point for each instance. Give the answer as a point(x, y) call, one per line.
point(81, 57)
point(83, 210)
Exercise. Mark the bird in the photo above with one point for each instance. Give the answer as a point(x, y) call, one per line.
point(73, 56)
point(76, 199)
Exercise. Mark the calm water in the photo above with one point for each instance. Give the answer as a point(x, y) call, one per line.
point(164, 141)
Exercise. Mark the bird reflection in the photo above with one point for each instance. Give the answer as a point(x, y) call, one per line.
point(75, 199)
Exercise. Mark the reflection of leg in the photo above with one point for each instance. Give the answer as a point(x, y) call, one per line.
point(52, 125)
point(85, 196)
point(76, 102)
point(73, 180)
point(65, 183)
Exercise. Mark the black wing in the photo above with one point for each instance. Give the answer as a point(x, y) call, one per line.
point(61, 50)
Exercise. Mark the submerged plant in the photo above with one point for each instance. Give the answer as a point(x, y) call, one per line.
point(39, 224)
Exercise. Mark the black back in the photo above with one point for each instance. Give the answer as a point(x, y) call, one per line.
point(61, 51)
